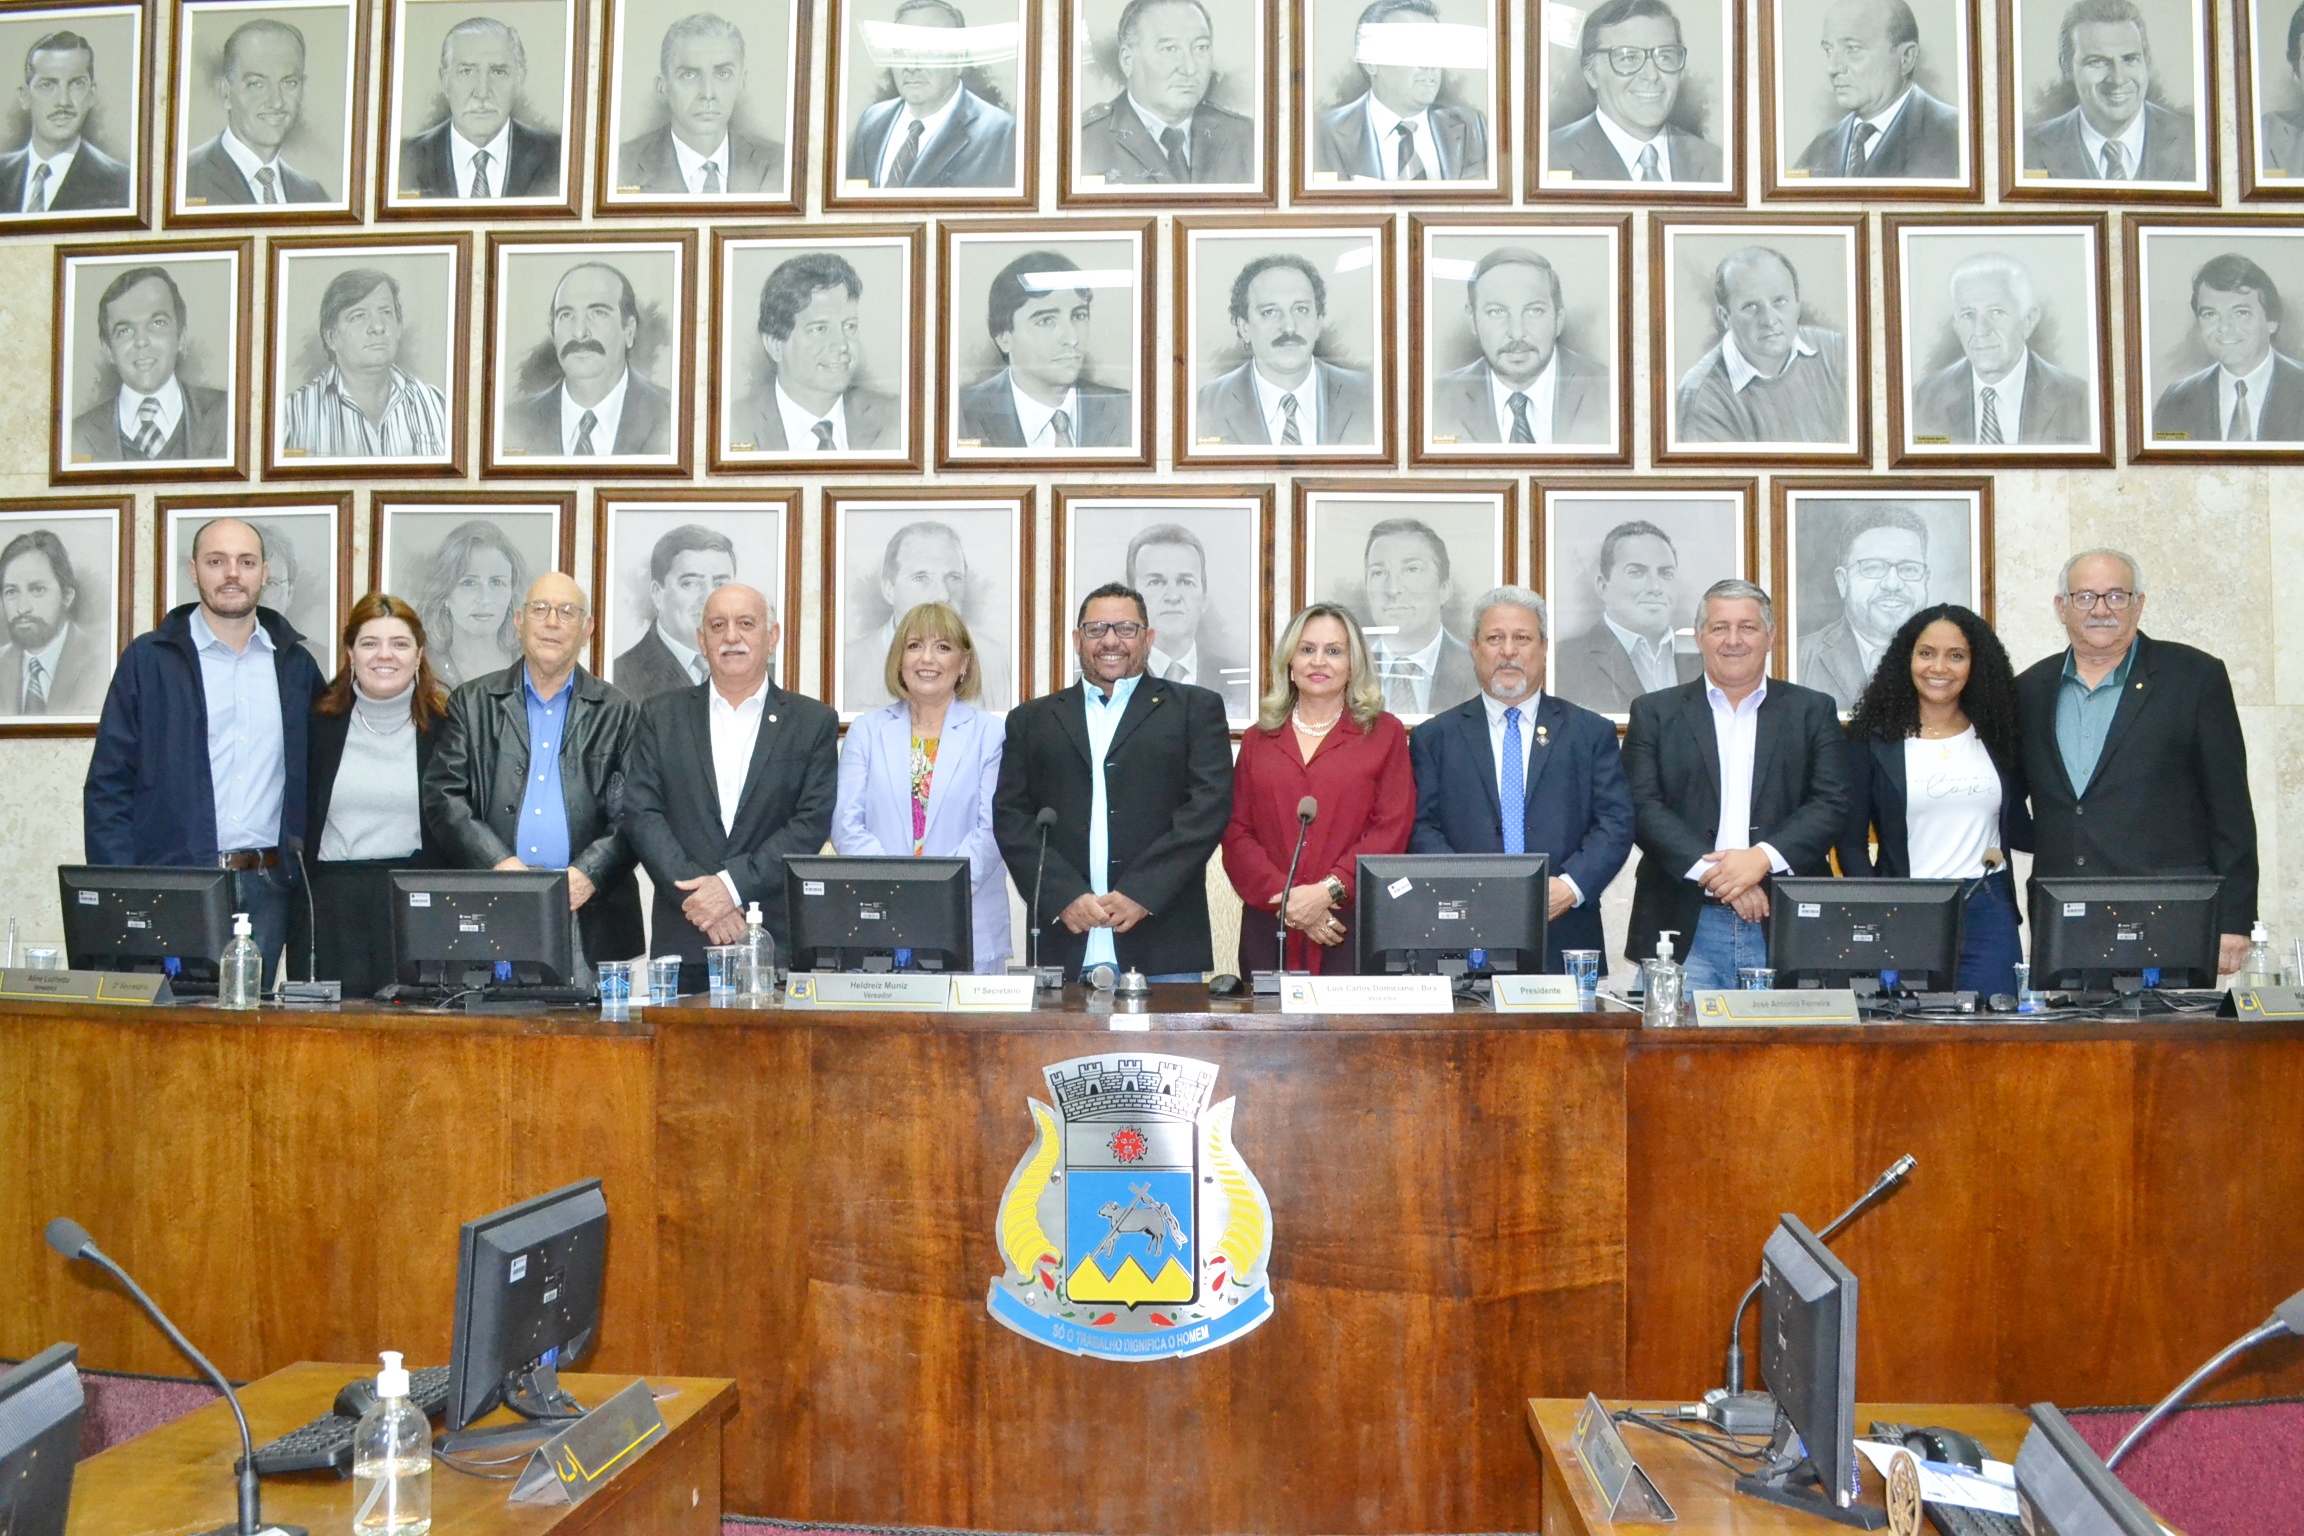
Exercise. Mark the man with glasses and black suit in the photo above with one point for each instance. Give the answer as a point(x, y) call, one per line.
point(1634, 58)
point(2133, 753)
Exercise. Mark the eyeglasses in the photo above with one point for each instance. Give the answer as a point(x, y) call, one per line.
point(2114, 601)
point(1097, 629)
point(1911, 572)
point(568, 613)
point(1670, 59)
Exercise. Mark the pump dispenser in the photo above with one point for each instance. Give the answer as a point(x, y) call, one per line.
point(1661, 980)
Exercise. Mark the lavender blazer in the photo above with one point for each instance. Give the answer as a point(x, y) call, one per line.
point(873, 815)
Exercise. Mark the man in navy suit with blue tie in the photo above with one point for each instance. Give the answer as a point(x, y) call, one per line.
point(1512, 771)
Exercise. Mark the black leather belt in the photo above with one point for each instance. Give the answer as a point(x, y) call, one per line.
point(249, 858)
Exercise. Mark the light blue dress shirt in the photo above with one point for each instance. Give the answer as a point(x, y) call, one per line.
point(2084, 716)
point(1103, 723)
point(543, 840)
point(247, 760)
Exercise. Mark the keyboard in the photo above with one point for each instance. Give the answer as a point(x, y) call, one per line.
point(477, 997)
point(325, 1444)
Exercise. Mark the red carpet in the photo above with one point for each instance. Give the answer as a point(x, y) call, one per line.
point(2219, 1469)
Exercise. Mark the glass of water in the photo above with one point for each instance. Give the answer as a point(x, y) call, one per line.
point(43, 957)
point(722, 964)
point(664, 978)
point(615, 983)
point(1584, 966)
point(1756, 978)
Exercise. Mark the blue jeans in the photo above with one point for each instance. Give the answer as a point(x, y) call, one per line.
point(1723, 942)
point(266, 895)
point(1990, 943)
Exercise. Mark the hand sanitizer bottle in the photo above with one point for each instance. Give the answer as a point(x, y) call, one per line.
point(392, 1461)
point(2260, 969)
point(1661, 980)
point(756, 966)
point(240, 971)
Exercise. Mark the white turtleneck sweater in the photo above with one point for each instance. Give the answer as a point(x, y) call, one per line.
point(373, 809)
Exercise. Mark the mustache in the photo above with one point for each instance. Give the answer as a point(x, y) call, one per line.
point(1287, 339)
point(582, 344)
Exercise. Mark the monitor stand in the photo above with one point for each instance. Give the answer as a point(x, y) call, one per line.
point(535, 1395)
point(1791, 1480)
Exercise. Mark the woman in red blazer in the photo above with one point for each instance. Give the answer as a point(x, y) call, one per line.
point(1322, 731)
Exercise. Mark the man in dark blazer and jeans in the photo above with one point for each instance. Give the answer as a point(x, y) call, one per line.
point(1735, 777)
point(1139, 773)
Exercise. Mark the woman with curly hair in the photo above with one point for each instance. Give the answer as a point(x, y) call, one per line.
point(1935, 779)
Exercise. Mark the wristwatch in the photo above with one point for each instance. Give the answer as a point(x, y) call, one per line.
point(1335, 888)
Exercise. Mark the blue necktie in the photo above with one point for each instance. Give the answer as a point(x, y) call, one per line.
point(1515, 808)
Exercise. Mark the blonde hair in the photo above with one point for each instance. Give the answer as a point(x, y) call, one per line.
point(1363, 695)
point(934, 621)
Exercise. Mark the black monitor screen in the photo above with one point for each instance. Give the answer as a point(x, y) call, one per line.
point(1433, 914)
point(1827, 932)
point(527, 1296)
point(2090, 933)
point(482, 928)
point(1808, 1348)
point(875, 914)
point(177, 922)
point(2063, 1489)
point(40, 1408)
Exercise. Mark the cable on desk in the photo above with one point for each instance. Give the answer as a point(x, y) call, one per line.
point(1711, 1445)
point(470, 1466)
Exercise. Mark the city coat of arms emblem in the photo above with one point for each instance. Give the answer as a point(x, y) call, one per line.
point(1132, 1229)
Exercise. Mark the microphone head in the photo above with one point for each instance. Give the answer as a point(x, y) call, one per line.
point(1901, 1169)
point(1307, 808)
point(1047, 816)
point(69, 1238)
point(2290, 1314)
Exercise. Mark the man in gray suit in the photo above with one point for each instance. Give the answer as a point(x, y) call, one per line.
point(1041, 399)
point(700, 81)
point(934, 132)
point(1633, 59)
point(1396, 130)
point(2115, 133)
point(153, 414)
point(1882, 577)
point(808, 331)
point(1893, 129)
point(1405, 586)
point(686, 567)
point(262, 86)
point(2251, 393)
point(1284, 395)
point(1163, 130)
point(601, 407)
point(1168, 564)
point(2002, 392)
point(57, 170)
point(1526, 389)
point(1632, 649)
point(52, 663)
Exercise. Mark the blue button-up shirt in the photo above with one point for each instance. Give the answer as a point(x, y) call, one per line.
point(543, 839)
point(2084, 716)
point(1103, 723)
point(247, 760)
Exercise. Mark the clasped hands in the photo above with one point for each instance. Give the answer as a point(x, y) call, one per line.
point(580, 885)
point(1111, 910)
point(1735, 876)
point(1310, 911)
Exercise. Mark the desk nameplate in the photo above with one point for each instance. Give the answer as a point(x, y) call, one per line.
point(1535, 994)
point(570, 1467)
point(894, 991)
point(18, 983)
point(1598, 1445)
point(1805, 1005)
point(1366, 994)
point(2270, 1004)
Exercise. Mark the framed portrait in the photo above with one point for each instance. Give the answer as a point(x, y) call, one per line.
point(657, 558)
point(886, 554)
point(1629, 97)
point(2270, 71)
point(65, 582)
point(1760, 330)
point(74, 132)
point(1047, 353)
point(1996, 341)
point(1870, 100)
point(270, 112)
point(464, 562)
point(2212, 367)
point(365, 339)
point(2114, 91)
point(1285, 330)
point(1183, 108)
point(589, 357)
point(481, 108)
point(1400, 99)
point(1202, 557)
point(1523, 351)
point(1624, 564)
point(1858, 557)
point(151, 361)
point(707, 112)
point(307, 559)
point(1408, 559)
point(933, 104)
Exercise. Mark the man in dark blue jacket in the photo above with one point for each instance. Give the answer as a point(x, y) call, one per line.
point(200, 755)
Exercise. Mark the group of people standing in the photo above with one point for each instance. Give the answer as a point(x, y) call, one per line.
point(222, 745)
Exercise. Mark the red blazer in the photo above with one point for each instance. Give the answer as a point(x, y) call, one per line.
point(1367, 794)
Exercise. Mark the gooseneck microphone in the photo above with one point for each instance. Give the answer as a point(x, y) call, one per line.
point(71, 1239)
point(1045, 820)
point(1731, 1407)
point(311, 989)
point(1306, 809)
point(2286, 1318)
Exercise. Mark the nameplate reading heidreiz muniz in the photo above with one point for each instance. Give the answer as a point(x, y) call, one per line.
point(898, 991)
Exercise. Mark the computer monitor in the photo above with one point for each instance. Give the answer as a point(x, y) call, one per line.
point(1824, 932)
point(1808, 1364)
point(174, 922)
point(2094, 934)
point(40, 1408)
point(1451, 914)
point(2064, 1489)
point(874, 914)
point(527, 1303)
point(494, 928)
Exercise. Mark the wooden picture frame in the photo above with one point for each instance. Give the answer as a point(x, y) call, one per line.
point(2045, 133)
point(211, 427)
point(2270, 115)
point(631, 524)
point(422, 173)
point(1570, 154)
point(110, 189)
point(74, 688)
point(294, 528)
point(1108, 154)
point(984, 156)
point(2206, 318)
point(1466, 138)
point(218, 106)
point(1813, 143)
point(423, 546)
point(761, 162)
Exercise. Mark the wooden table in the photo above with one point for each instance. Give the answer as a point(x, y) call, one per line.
point(1702, 1492)
point(178, 1478)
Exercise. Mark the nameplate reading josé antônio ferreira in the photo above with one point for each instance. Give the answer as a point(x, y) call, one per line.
point(1805, 1005)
